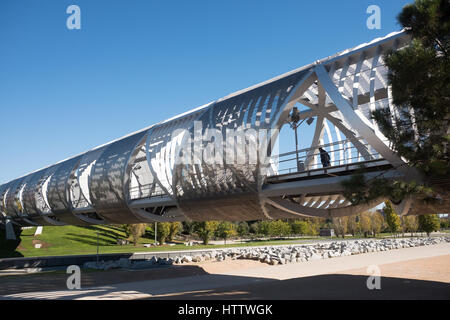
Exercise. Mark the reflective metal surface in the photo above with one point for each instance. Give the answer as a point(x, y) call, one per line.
point(144, 177)
point(108, 181)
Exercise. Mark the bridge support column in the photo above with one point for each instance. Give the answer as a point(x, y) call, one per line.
point(38, 231)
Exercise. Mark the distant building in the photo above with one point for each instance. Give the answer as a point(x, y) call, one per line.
point(327, 233)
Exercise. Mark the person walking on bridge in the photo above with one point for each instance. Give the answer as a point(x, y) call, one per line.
point(324, 158)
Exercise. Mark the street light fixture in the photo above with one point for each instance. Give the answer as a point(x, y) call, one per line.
point(294, 122)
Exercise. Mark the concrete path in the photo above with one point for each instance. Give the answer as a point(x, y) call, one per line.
point(310, 280)
point(339, 264)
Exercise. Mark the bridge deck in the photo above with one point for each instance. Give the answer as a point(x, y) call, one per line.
point(334, 171)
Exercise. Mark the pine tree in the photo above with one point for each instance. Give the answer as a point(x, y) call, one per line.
point(418, 129)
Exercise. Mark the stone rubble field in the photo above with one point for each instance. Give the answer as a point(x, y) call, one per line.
point(274, 255)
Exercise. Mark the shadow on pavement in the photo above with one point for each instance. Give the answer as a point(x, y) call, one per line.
point(330, 287)
point(57, 280)
point(193, 283)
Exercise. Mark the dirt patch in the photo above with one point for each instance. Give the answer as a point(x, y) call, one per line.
point(43, 244)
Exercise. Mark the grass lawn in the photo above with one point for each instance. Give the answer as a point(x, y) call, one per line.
point(72, 240)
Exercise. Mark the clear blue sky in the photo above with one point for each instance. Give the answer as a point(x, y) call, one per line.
point(135, 63)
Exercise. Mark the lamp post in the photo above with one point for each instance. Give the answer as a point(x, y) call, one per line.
point(97, 245)
point(294, 122)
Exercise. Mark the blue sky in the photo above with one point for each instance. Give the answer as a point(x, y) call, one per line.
point(135, 63)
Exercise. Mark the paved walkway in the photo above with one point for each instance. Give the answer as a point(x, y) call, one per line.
point(336, 278)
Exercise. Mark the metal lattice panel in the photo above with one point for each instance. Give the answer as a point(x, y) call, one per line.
point(145, 176)
point(58, 193)
point(108, 181)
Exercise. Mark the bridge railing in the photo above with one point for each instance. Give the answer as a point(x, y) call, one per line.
point(340, 152)
point(146, 191)
point(80, 203)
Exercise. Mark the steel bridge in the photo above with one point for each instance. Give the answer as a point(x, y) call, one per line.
point(138, 179)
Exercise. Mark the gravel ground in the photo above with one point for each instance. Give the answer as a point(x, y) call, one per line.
point(411, 273)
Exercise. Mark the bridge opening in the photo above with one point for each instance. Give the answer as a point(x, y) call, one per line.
point(321, 144)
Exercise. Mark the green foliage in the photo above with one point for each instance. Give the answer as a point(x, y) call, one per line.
point(225, 230)
point(418, 84)
point(314, 226)
point(420, 79)
point(409, 224)
point(243, 229)
point(305, 227)
point(377, 222)
point(163, 231)
point(74, 240)
point(175, 228)
point(205, 230)
point(188, 228)
point(365, 223)
point(445, 223)
point(300, 227)
point(392, 219)
point(276, 228)
point(254, 227)
point(340, 226)
point(353, 225)
point(359, 190)
point(136, 231)
point(428, 21)
point(429, 223)
point(279, 228)
point(264, 228)
point(418, 129)
point(127, 229)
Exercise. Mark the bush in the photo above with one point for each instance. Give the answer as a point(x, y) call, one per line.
point(225, 230)
point(205, 230)
point(174, 229)
point(163, 231)
point(429, 223)
point(279, 228)
point(136, 231)
point(243, 229)
point(300, 227)
point(313, 227)
point(264, 228)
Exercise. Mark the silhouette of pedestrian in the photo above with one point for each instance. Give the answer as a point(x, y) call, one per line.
point(301, 166)
point(324, 158)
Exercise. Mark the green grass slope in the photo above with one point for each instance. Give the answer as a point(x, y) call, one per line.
point(72, 240)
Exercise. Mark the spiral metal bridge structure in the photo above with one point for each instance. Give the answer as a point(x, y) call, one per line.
point(138, 178)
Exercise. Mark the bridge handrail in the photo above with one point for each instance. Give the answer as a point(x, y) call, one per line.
point(327, 168)
point(145, 191)
point(321, 146)
point(307, 156)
